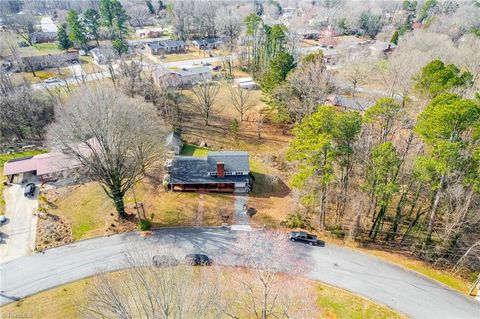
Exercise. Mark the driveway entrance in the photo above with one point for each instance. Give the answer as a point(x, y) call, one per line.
point(19, 232)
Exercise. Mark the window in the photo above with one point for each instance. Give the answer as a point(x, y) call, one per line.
point(228, 173)
point(212, 174)
point(239, 173)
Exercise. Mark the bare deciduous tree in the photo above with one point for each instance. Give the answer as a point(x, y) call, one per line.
point(24, 114)
point(240, 99)
point(270, 289)
point(204, 98)
point(145, 291)
point(117, 139)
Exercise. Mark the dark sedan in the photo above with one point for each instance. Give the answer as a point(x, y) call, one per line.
point(198, 260)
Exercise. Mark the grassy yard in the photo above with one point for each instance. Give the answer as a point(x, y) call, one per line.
point(193, 150)
point(445, 277)
point(62, 302)
point(47, 47)
point(3, 159)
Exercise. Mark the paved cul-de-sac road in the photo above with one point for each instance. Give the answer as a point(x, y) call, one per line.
point(402, 290)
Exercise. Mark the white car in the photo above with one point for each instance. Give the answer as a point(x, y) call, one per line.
point(3, 220)
point(51, 80)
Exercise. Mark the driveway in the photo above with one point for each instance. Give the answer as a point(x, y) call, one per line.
point(400, 289)
point(21, 227)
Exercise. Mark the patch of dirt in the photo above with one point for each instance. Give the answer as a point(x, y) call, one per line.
point(117, 225)
point(52, 231)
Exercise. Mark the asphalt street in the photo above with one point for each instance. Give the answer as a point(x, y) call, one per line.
point(405, 291)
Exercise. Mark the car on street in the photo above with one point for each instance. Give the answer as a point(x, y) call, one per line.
point(216, 68)
point(165, 261)
point(51, 80)
point(198, 260)
point(29, 190)
point(303, 237)
point(3, 220)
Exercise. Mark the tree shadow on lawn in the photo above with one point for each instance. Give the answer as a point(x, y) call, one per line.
point(263, 187)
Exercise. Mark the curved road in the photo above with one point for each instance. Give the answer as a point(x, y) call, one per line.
point(400, 289)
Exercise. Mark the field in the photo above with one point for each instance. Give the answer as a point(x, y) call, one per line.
point(62, 302)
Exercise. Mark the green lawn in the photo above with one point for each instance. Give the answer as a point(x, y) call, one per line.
point(46, 46)
point(193, 150)
point(3, 159)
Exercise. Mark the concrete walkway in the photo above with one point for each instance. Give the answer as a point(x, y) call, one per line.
point(240, 219)
point(21, 227)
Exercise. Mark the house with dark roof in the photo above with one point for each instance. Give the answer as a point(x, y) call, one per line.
point(42, 37)
point(225, 172)
point(349, 103)
point(164, 47)
point(184, 76)
point(54, 60)
point(207, 43)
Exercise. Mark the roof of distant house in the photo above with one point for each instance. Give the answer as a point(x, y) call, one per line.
point(196, 169)
point(41, 164)
point(359, 104)
point(193, 71)
point(205, 41)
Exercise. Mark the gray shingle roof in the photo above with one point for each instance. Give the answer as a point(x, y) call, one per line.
point(234, 161)
point(358, 104)
point(195, 169)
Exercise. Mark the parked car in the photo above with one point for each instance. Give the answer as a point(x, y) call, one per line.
point(216, 68)
point(51, 80)
point(29, 190)
point(198, 260)
point(3, 220)
point(164, 261)
point(304, 237)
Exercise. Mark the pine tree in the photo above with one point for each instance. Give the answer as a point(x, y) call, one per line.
point(77, 30)
point(64, 42)
point(92, 24)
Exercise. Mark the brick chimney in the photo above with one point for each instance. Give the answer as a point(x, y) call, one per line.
point(220, 169)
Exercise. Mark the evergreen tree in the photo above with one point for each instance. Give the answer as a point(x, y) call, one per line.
point(394, 38)
point(120, 47)
point(77, 32)
point(92, 24)
point(277, 71)
point(64, 42)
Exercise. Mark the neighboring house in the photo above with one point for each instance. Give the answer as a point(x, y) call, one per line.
point(47, 166)
point(207, 43)
point(47, 25)
point(149, 32)
point(185, 76)
point(246, 83)
point(39, 62)
point(217, 172)
point(42, 37)
point(309, 34)
point(140, 43)
point(173, 143)
point(348, 103)
point(102, 55)
point(165, 47)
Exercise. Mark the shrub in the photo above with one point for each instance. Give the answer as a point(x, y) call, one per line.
point(144, 224)
point(296, 220)
point(337, 231)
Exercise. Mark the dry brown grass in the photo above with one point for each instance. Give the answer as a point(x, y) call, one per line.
point(63, 302)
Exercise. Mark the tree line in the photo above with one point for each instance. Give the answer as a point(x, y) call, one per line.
point(393, 175)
